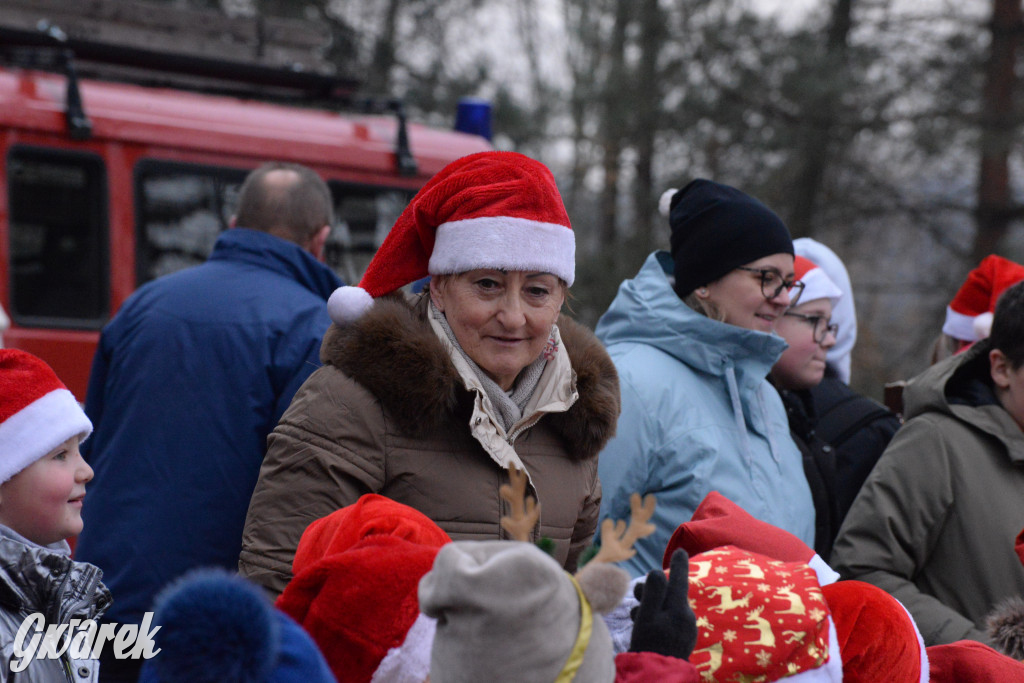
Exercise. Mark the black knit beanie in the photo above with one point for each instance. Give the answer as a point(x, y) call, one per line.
point(716, 228)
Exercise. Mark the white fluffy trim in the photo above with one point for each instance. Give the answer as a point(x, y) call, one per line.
point(348, 303)
point(826, 575)
point(983, 325)
point(818, 285)
point(959, 326)
point(505, 243)
point(38, 428)
point(410, 661)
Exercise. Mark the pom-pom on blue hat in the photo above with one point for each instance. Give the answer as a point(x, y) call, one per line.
point(216, 627)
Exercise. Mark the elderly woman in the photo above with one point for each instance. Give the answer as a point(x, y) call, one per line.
point(429, 400)
point(691, 337)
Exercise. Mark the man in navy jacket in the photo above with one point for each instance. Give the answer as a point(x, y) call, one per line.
point(190, 377)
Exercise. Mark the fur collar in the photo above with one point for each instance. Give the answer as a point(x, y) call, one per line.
point(392, 351)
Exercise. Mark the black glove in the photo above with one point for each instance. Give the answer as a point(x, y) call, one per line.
point(664, 622)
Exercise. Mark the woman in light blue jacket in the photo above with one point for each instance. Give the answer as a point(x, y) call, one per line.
point(691, 338)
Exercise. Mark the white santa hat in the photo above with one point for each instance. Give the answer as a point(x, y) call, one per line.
point(487, 210)
point(37, 412)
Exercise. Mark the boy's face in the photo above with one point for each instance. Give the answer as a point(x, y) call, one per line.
point(43, 502)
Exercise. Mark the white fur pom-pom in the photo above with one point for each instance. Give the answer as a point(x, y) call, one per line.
point(982, 325)
point(347, 304)
point(665, 203)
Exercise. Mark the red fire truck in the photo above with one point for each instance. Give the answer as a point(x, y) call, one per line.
point(107, 185)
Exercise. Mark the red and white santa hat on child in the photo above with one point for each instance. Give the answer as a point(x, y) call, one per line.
point(486, 210)
point(37, 412)
point(969, 314)
point(817, 284)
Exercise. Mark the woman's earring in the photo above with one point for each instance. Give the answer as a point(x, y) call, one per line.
point(703, 291)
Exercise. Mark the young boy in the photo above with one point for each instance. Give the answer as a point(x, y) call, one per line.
point(42, 487)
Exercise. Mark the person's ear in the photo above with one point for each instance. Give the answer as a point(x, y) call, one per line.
point(702, 292)
point(233, 222)
point(436, 292)
point(999, 368)
point(318, 241)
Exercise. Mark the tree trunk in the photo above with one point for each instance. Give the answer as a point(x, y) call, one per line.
point(820, 120)
point(997, 130)
point(614, 125)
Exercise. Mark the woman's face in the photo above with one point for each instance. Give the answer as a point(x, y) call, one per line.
point(802, 365)
point(501, 319)
point(737, 295)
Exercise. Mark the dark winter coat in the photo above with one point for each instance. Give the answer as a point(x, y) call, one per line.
point(819, 466)
point(857, 428)
point(390, 414)
point(189, 378)
point(936, 521)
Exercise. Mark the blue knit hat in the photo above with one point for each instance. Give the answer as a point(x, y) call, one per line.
point(216, 627)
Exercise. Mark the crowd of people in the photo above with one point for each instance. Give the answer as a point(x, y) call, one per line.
point(297, 480)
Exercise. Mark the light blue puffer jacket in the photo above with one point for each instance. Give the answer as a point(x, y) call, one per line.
point(697, 415)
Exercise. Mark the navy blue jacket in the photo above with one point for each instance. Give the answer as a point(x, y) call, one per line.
point(190, 377)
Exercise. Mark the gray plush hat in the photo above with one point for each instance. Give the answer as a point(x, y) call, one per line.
point(506, 611)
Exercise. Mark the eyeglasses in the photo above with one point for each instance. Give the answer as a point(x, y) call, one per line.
point(772, 284)
point(822, 326)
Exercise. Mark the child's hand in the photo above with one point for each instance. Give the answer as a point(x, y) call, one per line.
point(664, 621)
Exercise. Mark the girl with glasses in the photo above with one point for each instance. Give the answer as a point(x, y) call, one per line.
point(808, 329)
point(691, 337)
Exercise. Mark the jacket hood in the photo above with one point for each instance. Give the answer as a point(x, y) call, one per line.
point(278, 255)
point(647, 311)
point(951, 387)
point(393, 352)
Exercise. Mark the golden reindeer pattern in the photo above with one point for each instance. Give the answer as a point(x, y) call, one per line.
point(796, 603)
point(724, 593)
point(766, 636)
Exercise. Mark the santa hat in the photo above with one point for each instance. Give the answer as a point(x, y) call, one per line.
point(969, 314)
point(216, 627)
point(817, 284)
point(487, 210)
point(355, 590)
point(970, 661)
point(37, 412)
point(878, 638)
point(718, 521)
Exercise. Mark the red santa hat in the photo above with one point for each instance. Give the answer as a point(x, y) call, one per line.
point(817, 284)
point(718, 521)
point(357, 573)
point(969, 314)
point(486, 210)
point(37, 412)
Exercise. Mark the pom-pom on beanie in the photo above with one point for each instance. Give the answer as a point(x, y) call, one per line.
point(716, 228)
point(486, 210)
point(216, 627)
point(37, 412)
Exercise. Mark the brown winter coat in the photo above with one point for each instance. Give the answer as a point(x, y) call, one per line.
point(389, 413)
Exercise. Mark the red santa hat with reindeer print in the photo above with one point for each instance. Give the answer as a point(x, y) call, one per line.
point(486, 210)
point(874, 634)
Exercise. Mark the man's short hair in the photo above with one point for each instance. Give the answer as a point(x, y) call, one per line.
point(1008, 325)
point(293, 210)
